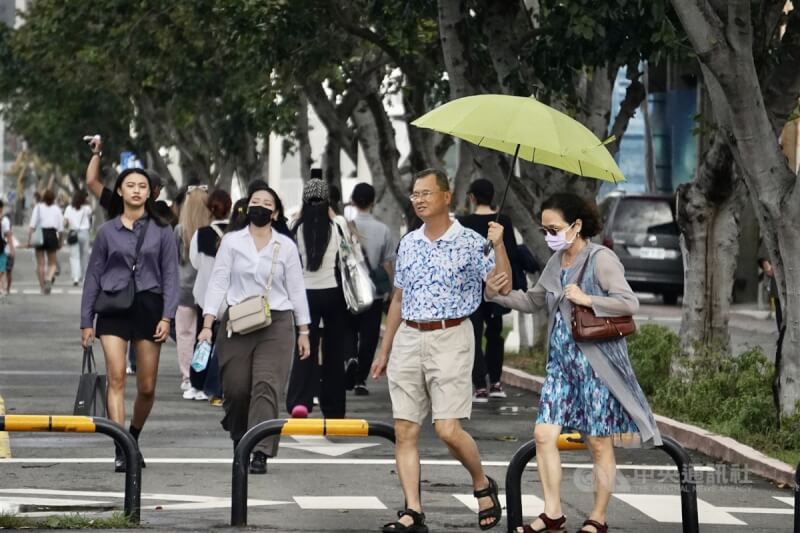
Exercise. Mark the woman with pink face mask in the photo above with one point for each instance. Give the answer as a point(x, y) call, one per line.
point(590, 386)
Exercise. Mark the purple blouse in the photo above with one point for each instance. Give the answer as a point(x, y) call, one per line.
point(109, 267)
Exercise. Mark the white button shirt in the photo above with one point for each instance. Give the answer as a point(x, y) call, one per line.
point(241, 271)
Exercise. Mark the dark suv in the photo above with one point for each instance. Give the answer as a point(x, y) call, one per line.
point(641, 229)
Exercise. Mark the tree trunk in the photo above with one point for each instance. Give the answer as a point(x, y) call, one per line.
point(724, 46)
point(708, 216)
point(304, 145)
point(331, 163)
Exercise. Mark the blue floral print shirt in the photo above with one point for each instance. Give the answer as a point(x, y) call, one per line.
point(441, 279)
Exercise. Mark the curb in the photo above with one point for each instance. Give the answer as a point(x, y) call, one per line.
point(690, 437)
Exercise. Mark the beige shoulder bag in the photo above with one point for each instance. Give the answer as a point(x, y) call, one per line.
point(253, 313)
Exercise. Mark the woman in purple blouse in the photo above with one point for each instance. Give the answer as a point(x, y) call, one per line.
point(146, 323)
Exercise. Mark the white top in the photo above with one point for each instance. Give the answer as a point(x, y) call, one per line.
point(204, 264)
point(5, 226)
point(325, 276)
point(47, 216)
point(78, 218)
point(241, 271)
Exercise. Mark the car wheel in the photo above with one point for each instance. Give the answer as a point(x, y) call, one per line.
point(670, 298)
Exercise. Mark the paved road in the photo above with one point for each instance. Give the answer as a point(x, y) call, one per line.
point(315, 484)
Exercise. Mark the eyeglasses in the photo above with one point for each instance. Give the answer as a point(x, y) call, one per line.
point(553, 231)
point(423, 195)
point(191, 188)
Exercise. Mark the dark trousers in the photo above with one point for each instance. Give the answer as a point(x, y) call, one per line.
point(326, 380)
point(254, 370)
point(367, 328)
point(487, 322)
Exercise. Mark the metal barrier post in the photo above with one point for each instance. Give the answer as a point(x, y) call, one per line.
point(797, 500)
point(571, 441)
point(88, 424)
point(294, 426)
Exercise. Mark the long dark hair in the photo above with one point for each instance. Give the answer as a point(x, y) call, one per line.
point(316, 225)
point(78, 199)
point(117, 206)
point(239, 215)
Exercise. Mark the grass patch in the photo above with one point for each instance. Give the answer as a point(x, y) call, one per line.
point(118, 520)
point(729, 395)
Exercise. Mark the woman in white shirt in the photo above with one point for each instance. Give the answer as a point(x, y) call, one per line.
point(48, 218)
point(78, 221)
point(255, 365)
point(317, 240)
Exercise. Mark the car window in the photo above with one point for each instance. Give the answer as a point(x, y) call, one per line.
point(645, 215)
point(605, 208)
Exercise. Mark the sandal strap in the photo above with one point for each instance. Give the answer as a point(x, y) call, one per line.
point(418, 518)
point(488, 492)
point(601, 528)
point(553, 523)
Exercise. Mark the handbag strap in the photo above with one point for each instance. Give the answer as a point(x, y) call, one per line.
point(89, 364)
point(139, 242)
point(275, 250)
point(579, 281)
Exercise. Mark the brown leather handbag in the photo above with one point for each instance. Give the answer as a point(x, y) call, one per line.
point(587, 327)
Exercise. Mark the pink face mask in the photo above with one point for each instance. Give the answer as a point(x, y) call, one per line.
point(559, 240)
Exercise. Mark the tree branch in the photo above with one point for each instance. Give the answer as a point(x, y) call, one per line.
point(782, 87)
point(329, 117)
point(634, 96)
point(702, 24)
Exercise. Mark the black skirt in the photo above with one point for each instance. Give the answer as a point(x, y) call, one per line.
point(137, 323)
point(50, 240)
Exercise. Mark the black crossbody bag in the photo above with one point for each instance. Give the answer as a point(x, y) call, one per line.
point(110, 302)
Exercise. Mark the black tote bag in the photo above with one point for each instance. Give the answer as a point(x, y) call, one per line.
point(91, 397)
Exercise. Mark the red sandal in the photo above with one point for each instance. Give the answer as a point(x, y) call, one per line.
point(601, 528)
point(551, 525)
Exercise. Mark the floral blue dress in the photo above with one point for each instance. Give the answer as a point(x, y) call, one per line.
point(572, 395)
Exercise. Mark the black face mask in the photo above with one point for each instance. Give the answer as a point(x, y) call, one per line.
point(259, 216)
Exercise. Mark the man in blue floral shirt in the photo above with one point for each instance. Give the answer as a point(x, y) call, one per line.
point(438, 278)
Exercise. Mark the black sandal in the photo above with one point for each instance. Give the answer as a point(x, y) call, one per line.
point(601, 528)
point(417, 526)
point(495, 511)
point(551, 525)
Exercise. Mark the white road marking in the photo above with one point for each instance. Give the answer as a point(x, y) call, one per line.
point(667, 509)
point(185, 502)
point(321, 445)
point(298, 461)
point(531, 505)
point(339, 502)
point(788, 500)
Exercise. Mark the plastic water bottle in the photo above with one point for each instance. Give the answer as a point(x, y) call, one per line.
point(200, 356)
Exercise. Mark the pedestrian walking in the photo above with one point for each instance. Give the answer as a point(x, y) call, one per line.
point(202, 252)
point(590, 387)
point(257, 261)
point(317, 239)
point(48, 222)
point(194, 215)
point(7, 252)
point(438, 279)
point(487, 320)
point(137, 248)
point(379, 249)
point(78, 222)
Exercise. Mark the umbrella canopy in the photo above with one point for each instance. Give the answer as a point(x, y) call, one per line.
point(539, 133)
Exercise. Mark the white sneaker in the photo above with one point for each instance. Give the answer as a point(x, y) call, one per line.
point(200, 395)
point(185, 385)
point(315, 400)
point(190, 393)
point(129, 371)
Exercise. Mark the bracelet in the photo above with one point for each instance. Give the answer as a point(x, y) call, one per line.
point(307, 332)
point(206, 327)
point(167, 320)
point(98, 154)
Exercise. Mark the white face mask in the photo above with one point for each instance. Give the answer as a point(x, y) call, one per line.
point(559, 240)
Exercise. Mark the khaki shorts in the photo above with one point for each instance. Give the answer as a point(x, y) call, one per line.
point(431, 371)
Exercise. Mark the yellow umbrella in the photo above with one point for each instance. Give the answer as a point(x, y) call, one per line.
point(525, 128)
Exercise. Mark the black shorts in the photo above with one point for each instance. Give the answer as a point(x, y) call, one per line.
point(137, 323)
point(50, 240)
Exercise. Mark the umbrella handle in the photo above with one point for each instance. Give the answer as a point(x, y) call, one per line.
point(487, 247)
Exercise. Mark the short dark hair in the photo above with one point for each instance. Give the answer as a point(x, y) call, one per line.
point(363, 195)
point(482, 190)
point(573, 207)
point(219, 203)
point(441, 178)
